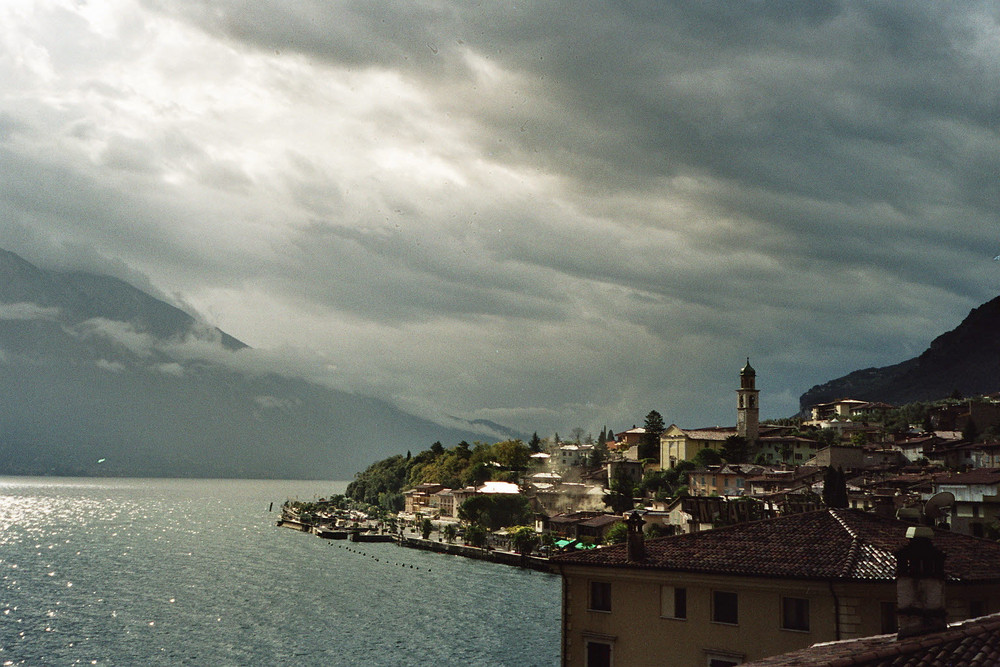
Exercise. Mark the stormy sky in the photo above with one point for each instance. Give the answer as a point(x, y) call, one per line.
point(548, 214)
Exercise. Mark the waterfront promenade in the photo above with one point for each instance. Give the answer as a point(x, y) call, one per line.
point(414, 541)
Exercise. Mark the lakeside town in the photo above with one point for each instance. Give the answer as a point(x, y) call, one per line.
point(724, 545)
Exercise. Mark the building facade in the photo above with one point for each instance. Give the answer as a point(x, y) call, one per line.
point(723, 597)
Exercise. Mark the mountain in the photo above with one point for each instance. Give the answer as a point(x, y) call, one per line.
point(100, 378)
point(965, 359)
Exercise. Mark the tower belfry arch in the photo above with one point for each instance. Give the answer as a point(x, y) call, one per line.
point(747, 407)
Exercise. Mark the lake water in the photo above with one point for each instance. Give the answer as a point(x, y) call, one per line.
point(195, 572)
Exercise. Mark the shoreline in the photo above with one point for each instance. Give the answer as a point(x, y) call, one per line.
point(501, 557)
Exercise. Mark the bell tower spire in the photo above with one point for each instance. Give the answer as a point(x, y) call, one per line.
point(747, 412)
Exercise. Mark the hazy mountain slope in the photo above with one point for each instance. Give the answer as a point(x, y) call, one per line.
point(92, 368)
point(966, 359)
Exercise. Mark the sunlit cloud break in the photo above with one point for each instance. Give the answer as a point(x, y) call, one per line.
point(550, 216)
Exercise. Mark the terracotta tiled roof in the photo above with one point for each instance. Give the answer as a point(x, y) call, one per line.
point(718, 433)
point(976, 476)
point(601, 521)
point(829, 544)
point(972, 642)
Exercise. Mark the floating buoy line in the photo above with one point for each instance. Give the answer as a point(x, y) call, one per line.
point(377, 559)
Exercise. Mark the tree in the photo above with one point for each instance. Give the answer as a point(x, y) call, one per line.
point(834, 488)
point(620, 495)
point(476, 474)
point(654, 424)
point(449, 532)
point(495, 510)
point(659, 530)
point(426, 527)
point(735, 449)
point(391, 502)
point(616, 534)
point(512, 454)
point(476, 535)
point(387, 476)
point(785, 451)
point(650, 447)
point(523, 538)
point(707, 457)
point(535, 444)
point(970, 431)
point(666, 483)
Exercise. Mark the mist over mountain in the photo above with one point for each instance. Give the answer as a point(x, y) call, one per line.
point(965, 359)
point(100, 378)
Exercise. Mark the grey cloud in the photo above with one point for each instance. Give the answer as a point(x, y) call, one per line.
point(689, 183)
point(27, 311)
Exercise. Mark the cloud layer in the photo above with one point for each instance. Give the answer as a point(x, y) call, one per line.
point(552, 216)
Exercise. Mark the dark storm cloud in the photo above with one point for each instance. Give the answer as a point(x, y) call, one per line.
point(538, 194)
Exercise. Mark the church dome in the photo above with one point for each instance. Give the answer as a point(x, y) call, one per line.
point(748, 369)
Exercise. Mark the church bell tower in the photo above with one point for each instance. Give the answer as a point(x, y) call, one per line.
point(747, 413)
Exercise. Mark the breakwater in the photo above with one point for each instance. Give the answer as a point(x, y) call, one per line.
point(491, 555)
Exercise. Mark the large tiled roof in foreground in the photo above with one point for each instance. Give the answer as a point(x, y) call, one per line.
point(829, 544)
point(973, 642)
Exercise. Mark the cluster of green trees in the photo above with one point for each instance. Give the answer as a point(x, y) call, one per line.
point(307, 511)
point(494, 511)
point(834, 487)
point(383, 482)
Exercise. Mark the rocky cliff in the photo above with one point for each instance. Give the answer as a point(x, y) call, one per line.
point(965, 359)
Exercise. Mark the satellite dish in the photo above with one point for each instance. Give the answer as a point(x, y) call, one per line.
point(939, 506)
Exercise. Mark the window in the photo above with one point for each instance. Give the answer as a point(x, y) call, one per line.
point(598, 654)
point(725, 607)
point(795, 614)
point(887, 611)
point(600, 596)
point(723, 660)
point(673, 602)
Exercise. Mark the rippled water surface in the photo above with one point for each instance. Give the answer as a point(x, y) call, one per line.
point(195, 572)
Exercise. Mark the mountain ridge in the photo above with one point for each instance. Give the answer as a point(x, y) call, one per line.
point(965, 359)
point(101, 378)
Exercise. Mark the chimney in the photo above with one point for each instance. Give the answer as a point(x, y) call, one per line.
point(636, 541)
point(920, 607)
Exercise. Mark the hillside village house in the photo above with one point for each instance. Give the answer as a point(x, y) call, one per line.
point(624, 469)
point(723, 597)
point(786, 449)
point(977, 499)
point(844, 408)
point(677, 444)
point(924, 638)
point(634, 436)
point(722, 480)
point(971, 642)
point(574, 455)
point(850, 456)
point(418, 499)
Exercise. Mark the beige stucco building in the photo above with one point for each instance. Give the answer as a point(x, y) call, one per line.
point(723, 597)
point(678, 444)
